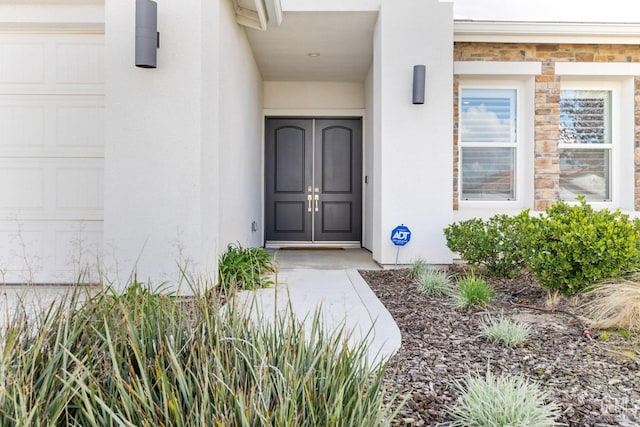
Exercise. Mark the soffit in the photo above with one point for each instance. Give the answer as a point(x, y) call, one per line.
point(343, 40)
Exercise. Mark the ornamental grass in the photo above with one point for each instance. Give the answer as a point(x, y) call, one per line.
point(502, 401)
point(615, 305)
point(146, 359)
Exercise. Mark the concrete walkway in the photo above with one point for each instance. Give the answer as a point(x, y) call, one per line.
point(328, 281)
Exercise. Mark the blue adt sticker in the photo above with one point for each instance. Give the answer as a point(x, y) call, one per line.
point(400, 235)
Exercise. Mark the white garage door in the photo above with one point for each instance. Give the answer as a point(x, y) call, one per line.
point(51, 157)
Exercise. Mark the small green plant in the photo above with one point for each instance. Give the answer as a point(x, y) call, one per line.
point(244, 268)
point(604, 336)
point(473, 291)
point(418, 266)
point(434, 282)
point(506, 331)
point(572, 247)
point(625, 333)
point(502, 401)
point(494, 243)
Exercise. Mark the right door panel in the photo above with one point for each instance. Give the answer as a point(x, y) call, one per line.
point(338, 180)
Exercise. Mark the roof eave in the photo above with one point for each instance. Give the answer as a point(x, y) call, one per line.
point(547, 32)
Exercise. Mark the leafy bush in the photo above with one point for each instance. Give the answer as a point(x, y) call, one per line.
point(244, 268)
point(574, 246)
point(502, 401)
point(473, 291)
point(493, 243)
point(508, 332)
point(145, 359)
point(434, 282)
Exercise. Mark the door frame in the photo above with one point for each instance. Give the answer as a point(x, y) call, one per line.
point(313, 114)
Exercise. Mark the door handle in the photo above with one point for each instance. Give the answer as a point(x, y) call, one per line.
point(309, 199)
point(316, 197)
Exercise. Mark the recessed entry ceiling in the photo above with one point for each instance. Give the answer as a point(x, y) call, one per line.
point(316, 46)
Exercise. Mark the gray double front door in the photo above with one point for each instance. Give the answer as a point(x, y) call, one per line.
point(313, 180)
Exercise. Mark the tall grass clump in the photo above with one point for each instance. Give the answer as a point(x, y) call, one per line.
point(472, 291)
point(146, 359)
point(615, 305)
point(418, 267)
point(434, 282)
point(245, 268)
point(506, 331)
point(502, 401)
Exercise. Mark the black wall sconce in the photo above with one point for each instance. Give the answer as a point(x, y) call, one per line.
point(147, 35)
point(419, 72)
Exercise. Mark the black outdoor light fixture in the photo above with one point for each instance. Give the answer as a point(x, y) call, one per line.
point(419, 72)
point(147, 35)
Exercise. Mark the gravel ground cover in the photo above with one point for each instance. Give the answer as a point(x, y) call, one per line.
point(596, 381)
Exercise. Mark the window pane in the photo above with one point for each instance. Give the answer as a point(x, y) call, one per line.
point(585, 117)
point(585, 172)
point(488, 173)
point(488, 115)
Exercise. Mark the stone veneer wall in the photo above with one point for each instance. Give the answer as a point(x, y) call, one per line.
point(547, 102)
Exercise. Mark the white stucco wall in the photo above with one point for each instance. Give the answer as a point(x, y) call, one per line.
point(285, 95)
point(413, 154)
point(182, 156)
point(153, 137)
point(240, 105)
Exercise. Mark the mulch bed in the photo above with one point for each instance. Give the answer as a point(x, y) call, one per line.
point(597, 382)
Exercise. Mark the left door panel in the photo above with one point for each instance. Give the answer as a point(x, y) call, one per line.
point(288, 177)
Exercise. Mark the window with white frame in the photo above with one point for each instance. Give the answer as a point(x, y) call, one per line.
point(585, 144)
point(488, 141)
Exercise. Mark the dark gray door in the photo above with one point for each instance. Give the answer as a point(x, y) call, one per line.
point(313, 180)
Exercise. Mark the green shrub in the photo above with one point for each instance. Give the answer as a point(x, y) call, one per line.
point(434, 282)
point(506, 331)
point(145, 359)
point(244, 268)
point(574, 246)
point(473, 291)
point(502, 401)
point(493, 243)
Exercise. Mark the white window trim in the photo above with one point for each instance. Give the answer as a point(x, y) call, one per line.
point(621, 184)
point(524, 148)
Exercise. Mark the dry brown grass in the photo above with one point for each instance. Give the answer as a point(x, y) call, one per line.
point(552, 300)
point(615, 305)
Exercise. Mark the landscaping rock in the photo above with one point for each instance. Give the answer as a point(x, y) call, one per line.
point(596, 382)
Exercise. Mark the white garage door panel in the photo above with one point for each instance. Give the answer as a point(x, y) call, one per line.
point(54, 64)
point(77, 251)
point(22, 127)
point(80, 189)
point(21, 252)
point(51, 156)
point(51, 188)
point(80, 63)
point(22, 62)
point(21, 188)
point(49, 251)
point(80, 127)
point(51, 126)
